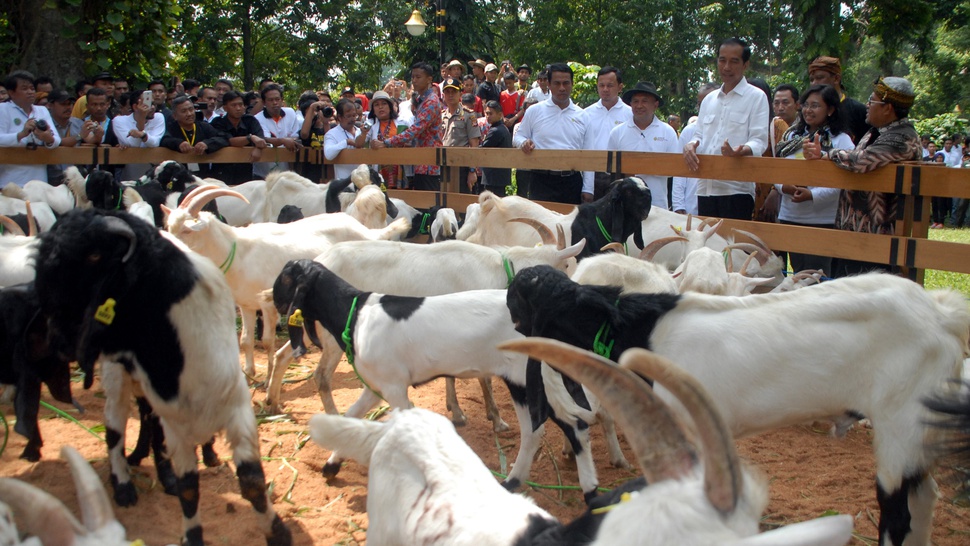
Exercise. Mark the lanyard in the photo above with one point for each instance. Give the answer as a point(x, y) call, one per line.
point(187, 139)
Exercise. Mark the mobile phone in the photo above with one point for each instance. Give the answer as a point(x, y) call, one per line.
point(146, 97)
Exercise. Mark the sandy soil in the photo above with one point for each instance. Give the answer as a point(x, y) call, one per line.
point(808, 472)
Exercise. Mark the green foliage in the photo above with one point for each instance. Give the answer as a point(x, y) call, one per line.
point(942, 127)
point(584, 83)
point(947, 279)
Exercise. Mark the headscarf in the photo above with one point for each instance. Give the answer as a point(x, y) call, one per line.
point(828, 64)
point(796, 135)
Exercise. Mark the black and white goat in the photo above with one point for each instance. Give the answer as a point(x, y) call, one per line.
point(875, 345)
point(49, 522)
point(116, 289)
point(613, 218)
point(426, 486)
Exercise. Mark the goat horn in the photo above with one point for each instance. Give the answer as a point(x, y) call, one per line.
point(710, 233)
point(651, 250)
point(40, 512)
point(117, 226)
point(11, 226)
point(660, 444)
point(95, 507)
point(201, 188)
point(807, 274)
point(722, 469)
point(615, 247)
point(31, 221)
point(560, 237)
point(709, 221)
point(744, 266)
point(751, 249)
point(689, 218)
point(757, 240)
point(208, 195)
point(544, 232)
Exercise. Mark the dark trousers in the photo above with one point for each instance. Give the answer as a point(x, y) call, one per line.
point(801, 262)
point(941, 206)
point(426, 182)
point(842, 267)
point(960, 212)
point(523, 182)
point(463, 180)
point(551, 186)
point(739, 206)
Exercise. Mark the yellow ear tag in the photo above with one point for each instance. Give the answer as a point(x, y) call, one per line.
point(296, 319)
point(106, 312)
point(678, 229)
point(138, 542)
point(624, 497)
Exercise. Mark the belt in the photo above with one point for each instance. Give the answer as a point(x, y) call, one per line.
point(554, 173)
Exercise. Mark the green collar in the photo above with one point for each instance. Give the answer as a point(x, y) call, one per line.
point(509, 268)
point(600, 346)
point(609, 237)
point(121, 193)
point(229, 259)
point(423, 229)
point(348, 338)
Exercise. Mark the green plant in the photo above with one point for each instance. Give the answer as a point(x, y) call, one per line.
point(942, 127)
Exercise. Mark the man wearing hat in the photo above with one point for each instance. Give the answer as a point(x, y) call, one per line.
point(60, 103)
point(828, 71)
point(459, 128)
point(892, 138)
point(478, 70)
point(455, 69)
point(645, 132)
point(103, 80)
point(602, 117)
point(488, 90)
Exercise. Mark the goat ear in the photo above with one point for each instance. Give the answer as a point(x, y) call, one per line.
point(391, 207)
point(616, 208)
point(827, 531)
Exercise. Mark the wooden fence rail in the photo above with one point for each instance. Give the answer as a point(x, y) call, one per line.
point(914, 182)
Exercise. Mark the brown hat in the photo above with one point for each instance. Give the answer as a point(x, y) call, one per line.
point(457, 63)
point(828, 64)
point(477, 62)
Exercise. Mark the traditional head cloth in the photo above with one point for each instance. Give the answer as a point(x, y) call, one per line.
point(896, 91)
point(828, 64)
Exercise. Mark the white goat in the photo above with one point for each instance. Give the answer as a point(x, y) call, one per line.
point(42, 212)
point(445, 225)
point(369, 208)
point(405, 269)
point(252, 256)
point(431, 489)
point(59, 198)
point(16, 252)
point(705, 271)
point(875, 345)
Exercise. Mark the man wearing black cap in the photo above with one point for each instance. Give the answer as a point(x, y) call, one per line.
point(646, 133)
point(459, 128)
point(105, 81)
point(60, 103)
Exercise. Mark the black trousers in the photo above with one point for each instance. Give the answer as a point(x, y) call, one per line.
point(426, 182)
point(554, 187)
point(739, 206)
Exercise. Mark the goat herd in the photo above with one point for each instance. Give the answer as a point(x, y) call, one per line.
point(145, 278)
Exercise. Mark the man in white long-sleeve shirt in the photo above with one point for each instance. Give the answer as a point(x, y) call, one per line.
point(142, 128)
point(341, 137)
point(732, 122)
point(555, 124)
point(602, 117)
point(19, 120)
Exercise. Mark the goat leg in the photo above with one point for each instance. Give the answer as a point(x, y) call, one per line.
point(451, 403)
point(498, 425)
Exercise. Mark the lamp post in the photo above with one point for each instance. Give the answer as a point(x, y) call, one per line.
point(416, 27)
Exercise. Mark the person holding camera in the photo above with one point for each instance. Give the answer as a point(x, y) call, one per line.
point(142, 128)
point(316, 122)
point(22, 124)
point(242, 130)
point(342, 137)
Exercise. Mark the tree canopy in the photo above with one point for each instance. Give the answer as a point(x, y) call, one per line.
point(313, 44)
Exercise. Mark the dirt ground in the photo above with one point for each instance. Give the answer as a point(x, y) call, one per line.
point(809, 474)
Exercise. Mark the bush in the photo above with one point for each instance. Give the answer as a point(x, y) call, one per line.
point(942, 127)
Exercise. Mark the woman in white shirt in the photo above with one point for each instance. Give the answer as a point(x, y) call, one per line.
point(820, 118)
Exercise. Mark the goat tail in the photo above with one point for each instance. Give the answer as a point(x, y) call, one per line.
point(14, 191)
point(955, 314)
point(396, 230)
point(354, 438)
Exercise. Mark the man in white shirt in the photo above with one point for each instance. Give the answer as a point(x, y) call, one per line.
point(143, 128)
point(281, 127)
point(952, 156)
point(341, 137)
point(23, 125)
point(541, 91)
point(732, 122)
point(646, 133)
point(602, 117)
point(555, 124)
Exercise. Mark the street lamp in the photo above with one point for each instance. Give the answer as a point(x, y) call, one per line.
point(416, 27)
point(416, 24)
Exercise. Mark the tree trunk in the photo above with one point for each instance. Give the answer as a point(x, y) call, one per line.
point(247, 49)
point(41, 48)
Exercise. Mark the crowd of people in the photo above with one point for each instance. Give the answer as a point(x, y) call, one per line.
point(504, 107)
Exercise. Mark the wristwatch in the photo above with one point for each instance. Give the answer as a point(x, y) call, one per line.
point(249, 138)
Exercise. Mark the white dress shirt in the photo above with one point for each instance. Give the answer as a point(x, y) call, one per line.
point(656, 137)
point(537, 94)
point(12, 120)
point(953, 158)
point(154, 128)
point(334, 142)
point(739, 117)
point(600, 122)
point(287, 126)
point(684, 196)
point(553, 128)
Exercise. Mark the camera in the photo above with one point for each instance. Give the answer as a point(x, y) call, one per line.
point(327, 112)
point(146, 97)
point(41, 125)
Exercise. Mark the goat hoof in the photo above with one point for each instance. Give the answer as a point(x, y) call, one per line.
point(209, 456)
point(459, 420)
point(135, 458)
point(279, 534)
point(511, 485)
point(500, 426)
point(330, 470)
point(125, 493)
point(166, 477)
point(622, 463)
point(31, 454)
point(588, 497)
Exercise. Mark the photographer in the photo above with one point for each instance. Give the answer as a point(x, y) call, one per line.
point(242, 130)
point(316, 122)
point(23, 124)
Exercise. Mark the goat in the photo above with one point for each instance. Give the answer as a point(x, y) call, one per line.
point(42, 212)
point(613, 218)
point(289, 188)
point(50, 522)
point(59, 198)
point(445, 225)
point(430, 488)
point(405, 269)
point(15, 251)
point(118, 290)
point(388, 337)
point(289, 213)
point(951, 415)
point(874, 344)
point(704, 270)
point(252, 256)
point(26, 361)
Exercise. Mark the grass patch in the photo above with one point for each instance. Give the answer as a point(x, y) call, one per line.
point(948, 279)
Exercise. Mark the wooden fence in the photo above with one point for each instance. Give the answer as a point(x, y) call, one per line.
point(909, 248)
